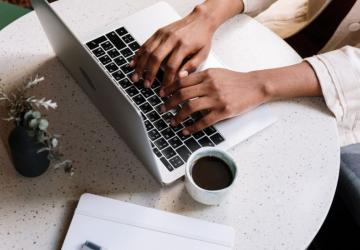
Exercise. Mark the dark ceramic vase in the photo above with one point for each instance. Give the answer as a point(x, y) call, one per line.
point(24, 154)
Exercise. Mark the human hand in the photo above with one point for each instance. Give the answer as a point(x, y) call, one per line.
point(188, 39)
point(221, 93)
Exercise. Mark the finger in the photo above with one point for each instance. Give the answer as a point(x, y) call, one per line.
point(194, 62)
point(142, 56)
point(211, 118)
point(192, 106)
point(188, 81)
point(174, 63)
point(155, 59)
point(183, 95)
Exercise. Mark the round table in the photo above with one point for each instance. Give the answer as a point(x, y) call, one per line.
point(287, 173)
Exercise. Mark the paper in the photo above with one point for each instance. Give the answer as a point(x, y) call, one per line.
point(116, 225)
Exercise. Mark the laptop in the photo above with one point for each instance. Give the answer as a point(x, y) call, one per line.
point(99, 64)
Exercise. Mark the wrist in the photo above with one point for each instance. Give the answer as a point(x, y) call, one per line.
point(216, 12)
point(293, 81)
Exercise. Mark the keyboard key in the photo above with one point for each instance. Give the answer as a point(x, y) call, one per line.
point(146, 107)
point(183, 152)
point(160, 125)
point(134, 46)
point(161, 143)
point(217, 138)
point(118, 75)
point(129, 59)
point(125, 83)
point(111, 67)
point(139, 99)
point(177, 128)
point(105, 59)
point(205, 142)
point(167, 133)
point(126, 52)
point(175, 142)
point(106, 45)
point(146, 92)
point(154, 100)
point(167, 117)
point(209, 130)
point(95, 43)
point(196, 116)
point(198, 135)
point(132, 91)
point(155, 84)
point(127, 38)
point(126, 69)
point(188, 123)
point(166, 164)
point(113, 53)
point(176, 162)
point(182, 136)
point(121, 31)
point(157, 152)
point(160, 75)
point(168, 152)
point(98, 52)
point(192, 144)
point(157, 108)
point(154, 135)
point(148, 125)
point(120, 60)
point(116, 40)
point(143, 116)
point(153, 116)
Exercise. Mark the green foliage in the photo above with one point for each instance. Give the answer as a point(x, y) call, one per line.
point(24, 112)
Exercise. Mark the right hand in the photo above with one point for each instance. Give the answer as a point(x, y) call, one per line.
point(181, 47)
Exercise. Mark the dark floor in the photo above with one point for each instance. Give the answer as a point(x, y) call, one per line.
point(339, 230)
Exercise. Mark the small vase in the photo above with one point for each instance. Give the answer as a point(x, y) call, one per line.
point(24, 151)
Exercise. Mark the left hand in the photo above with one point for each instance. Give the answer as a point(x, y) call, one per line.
point(221, 93)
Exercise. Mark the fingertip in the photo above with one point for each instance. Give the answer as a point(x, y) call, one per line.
point(147, 83)
point(186, 132)
point(183, 73)
point(135, 77)
point(132, 63)
point(162, 93)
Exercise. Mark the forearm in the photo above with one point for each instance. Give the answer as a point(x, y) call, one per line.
point(218, 11)
point(297, 80)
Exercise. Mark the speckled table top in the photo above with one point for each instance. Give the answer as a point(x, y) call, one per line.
point(288, 173)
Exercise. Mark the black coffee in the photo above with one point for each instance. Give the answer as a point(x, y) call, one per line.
point(212, 173)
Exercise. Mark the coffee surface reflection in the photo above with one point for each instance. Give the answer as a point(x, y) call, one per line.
point(212, 173)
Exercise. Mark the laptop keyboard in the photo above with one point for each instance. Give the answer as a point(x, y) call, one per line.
point(114, 51)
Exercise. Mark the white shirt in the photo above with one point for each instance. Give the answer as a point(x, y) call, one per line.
point(337, 68)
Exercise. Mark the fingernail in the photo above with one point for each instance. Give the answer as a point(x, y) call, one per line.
point(162, 109)
point(183, 73)
point(186, 132)
point(172, 122)
point(135, 77)
point(162, 93)
point(132, 63)
point(147, 84)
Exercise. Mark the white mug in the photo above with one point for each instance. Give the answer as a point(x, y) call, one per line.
point(208, 197)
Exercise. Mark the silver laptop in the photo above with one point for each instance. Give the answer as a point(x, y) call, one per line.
point(99, 63)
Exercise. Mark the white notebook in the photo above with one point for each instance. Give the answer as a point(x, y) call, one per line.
point(116, 225)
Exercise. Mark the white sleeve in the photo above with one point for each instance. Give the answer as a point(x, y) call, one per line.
point(254, 7)
point(339, 76)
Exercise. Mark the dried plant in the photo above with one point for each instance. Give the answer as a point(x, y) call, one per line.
point(23, 110)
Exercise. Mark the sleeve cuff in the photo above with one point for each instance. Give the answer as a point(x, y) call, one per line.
point(254, 7)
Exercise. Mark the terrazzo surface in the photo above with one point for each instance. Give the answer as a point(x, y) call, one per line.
point(287, 173)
